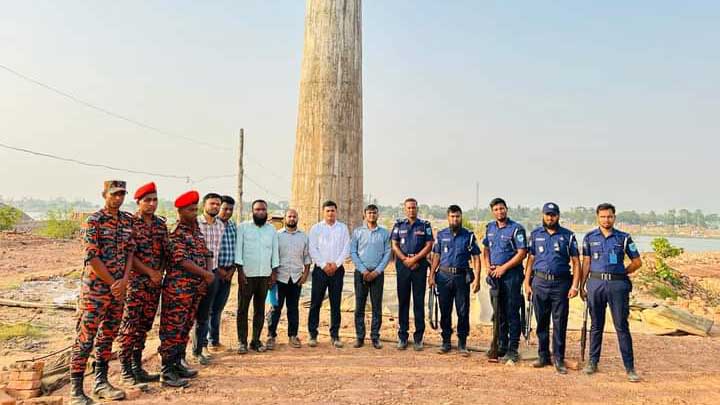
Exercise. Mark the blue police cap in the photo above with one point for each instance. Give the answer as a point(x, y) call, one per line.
point(551, 208)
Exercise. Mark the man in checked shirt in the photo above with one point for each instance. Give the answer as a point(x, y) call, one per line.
point(225, 271)
point(213, 230)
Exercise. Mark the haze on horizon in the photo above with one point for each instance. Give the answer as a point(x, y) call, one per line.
point(575, 103)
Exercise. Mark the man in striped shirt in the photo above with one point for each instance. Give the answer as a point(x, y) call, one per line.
point(225, 271)
point(213, 230)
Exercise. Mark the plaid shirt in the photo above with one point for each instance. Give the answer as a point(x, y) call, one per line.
point(212, 233)
point(227, 245)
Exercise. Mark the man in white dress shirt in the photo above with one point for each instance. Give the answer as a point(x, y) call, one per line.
point(329, 247)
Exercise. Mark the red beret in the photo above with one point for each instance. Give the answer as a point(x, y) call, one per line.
point(191, 197)
point(145, 190)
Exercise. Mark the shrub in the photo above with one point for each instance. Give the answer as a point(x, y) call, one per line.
point(9, 217)
point(60, 225)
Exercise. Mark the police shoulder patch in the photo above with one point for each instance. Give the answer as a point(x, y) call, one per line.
point(632, 247)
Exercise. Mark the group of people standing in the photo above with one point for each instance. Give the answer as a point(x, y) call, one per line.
point(135, 266)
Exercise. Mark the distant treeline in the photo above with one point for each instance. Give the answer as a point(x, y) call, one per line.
point(525, 215)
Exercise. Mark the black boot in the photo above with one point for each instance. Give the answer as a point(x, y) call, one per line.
point(182, 370)
point(126, 373)
point(77, 392)
point(141, 375)
point(103, 389)
point(169, 376)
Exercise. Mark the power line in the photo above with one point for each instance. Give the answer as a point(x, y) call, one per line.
point(133, 121)
point(108, 112)
point(84, 163)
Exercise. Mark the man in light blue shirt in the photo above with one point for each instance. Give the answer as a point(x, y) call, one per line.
point(370, 252)
point(257, 258)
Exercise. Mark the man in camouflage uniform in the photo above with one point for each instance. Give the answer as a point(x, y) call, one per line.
point(184, 285)
point(109, 247)
point(144, 284)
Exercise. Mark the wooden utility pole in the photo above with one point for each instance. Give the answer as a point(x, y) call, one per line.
point(328, 162)
point(241, 173)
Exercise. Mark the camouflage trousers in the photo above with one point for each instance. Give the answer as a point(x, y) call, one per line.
point(141, 304)
point(179, 304)
point(97, 326)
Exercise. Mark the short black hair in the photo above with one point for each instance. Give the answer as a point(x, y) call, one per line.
point(212, 195)
point(329, 203)
point(605, 206)
point(453, 209)
point(226, 199)
point(371, 207)
point(258, 201)
point(410, 199)
point(496, 201)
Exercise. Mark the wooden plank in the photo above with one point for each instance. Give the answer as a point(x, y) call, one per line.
point(27, 304)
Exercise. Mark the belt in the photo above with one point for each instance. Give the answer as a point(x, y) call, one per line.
point(550, 277)
point(608, 276)
point(454, 270)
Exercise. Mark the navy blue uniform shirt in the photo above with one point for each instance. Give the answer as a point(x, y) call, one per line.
point(552, 252)
point(411, 238)
point(504, 242)
point(607, 255)
point(455, 249)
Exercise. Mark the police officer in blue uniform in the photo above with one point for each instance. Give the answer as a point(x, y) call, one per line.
point(411, 240)
point(453, 251)
point(550, 284)
point(608, 284)
point(504, 249)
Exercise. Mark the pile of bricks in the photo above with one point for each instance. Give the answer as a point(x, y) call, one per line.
point(21, 385)
point(24, 379)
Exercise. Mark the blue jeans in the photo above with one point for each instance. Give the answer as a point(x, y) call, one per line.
point(616, 294)
point(550, 300)
point(321, 282)
point(411, 282)
point(216, 310)
point(202, 319)
point(453, 288)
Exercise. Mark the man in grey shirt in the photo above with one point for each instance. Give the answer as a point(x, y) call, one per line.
point(291, 275)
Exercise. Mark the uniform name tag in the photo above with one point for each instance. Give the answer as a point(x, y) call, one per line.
point(402, 241)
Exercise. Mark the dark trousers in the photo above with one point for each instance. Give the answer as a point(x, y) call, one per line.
point(218, 305)
point(511, 301)
point(415, 282)
point(453, 288)
point(255, 291)
point(362, 289)
point(550, 300)
point(321, 282)
point(616, 294)
point(202, 318)
point(287, 292)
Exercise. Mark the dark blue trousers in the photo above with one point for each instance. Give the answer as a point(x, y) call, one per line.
point(615, 294)
point(511, 297)
point(216, 309)
point(287, 293)
point(321, 282)
point(415, 282)
point(550, 301)
point(375, 290)
point(453, 288)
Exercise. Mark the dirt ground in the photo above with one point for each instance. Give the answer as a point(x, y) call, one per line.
point(675, 369)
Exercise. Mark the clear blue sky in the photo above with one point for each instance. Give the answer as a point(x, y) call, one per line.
point(576, 102)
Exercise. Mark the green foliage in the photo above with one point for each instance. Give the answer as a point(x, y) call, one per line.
point(60, 225)
point(9, 217)
point(663, 291)
point(664, 250)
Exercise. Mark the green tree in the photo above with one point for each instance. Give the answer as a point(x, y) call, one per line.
point(9, 217)
point(664, 250)
point(60, 225)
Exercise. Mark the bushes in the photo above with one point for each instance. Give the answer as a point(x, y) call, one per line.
point(664, 250)
point(9, 217)
point(60, 225)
